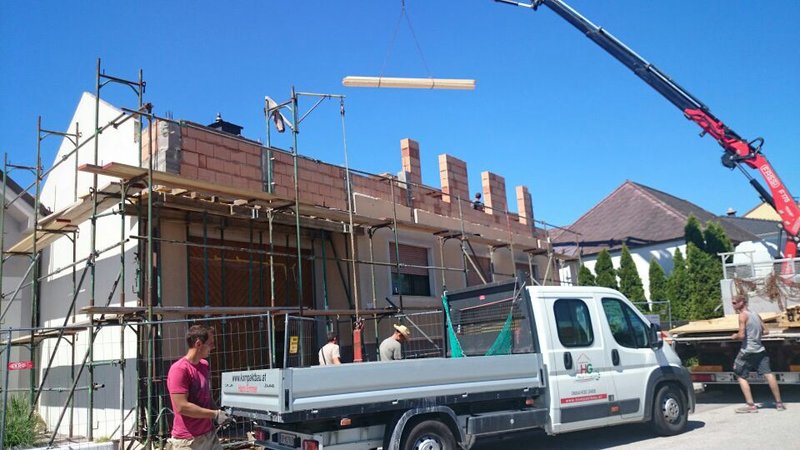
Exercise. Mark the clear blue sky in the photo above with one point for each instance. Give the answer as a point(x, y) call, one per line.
point(551, 110)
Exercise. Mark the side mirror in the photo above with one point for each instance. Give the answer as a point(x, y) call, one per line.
point(656, 343)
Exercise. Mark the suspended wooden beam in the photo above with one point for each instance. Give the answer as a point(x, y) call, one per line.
point(409, 83)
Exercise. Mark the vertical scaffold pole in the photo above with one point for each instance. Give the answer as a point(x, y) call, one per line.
point(295, 163)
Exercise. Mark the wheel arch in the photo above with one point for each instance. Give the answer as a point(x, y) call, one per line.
point(413, 416)
point(678, 376)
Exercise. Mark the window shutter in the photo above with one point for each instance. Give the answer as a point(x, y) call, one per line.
point(473, 279)
point(415, 256)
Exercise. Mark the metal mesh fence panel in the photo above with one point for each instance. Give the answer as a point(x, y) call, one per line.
point(122, 394)
point(300, 342)
point(427, 334)
point(478, 327)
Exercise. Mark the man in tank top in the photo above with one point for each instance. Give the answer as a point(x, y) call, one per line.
point(753, 356)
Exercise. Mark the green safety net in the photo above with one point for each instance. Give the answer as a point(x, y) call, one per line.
point(501, 345)
point(455, 346)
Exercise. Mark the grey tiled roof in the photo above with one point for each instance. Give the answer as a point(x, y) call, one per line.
point(637, 215)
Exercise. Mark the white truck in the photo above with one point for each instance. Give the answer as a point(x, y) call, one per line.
point(564, 359)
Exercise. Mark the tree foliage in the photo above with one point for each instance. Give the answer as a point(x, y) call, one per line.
point(658, 286)
point(705, 272)
point(606, 276)
point(693, 233)
point(630, 283)
point(586, 277)
point(678, 290)
point(716, 239)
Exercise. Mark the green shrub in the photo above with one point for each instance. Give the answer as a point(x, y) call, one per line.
point(23, 429)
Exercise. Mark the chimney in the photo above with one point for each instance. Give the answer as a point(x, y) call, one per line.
point(226, 127)
point(494, 193)
point(524, 205)
point(409, 150)
point(453, 177)
point(730, 212)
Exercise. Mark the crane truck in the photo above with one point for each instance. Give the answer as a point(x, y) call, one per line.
point(710, 342)
point(737, 151)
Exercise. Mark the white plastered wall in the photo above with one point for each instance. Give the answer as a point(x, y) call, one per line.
point(57, 291)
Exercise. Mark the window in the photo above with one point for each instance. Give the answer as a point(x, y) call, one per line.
point(626, 327)
point(473, 279)
point(410, 280)
point(525, 269)
point(573, 323)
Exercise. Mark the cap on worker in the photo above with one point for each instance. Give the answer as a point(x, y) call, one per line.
point(403, 330)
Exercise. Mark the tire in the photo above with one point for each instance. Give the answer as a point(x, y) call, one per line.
point(670, 415)
point(429, 435)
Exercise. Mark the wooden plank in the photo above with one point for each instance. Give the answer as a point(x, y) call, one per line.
point(237, 310)
point(125, 171)
point(50, 227)
point(729, 323)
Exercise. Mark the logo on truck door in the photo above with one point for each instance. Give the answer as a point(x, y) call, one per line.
point(586, 371)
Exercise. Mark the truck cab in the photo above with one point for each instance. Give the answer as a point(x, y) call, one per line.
point(606, 364)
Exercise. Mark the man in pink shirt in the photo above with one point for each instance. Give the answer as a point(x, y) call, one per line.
point(189, 388)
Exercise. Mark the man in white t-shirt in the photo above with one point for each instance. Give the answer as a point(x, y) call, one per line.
point(329, 353)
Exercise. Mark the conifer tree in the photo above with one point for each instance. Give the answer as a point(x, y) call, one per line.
point(606, 276)
point(658, 286)
point(678, 289)
point(704, 271)
point(630, 283)
point(586, 277)
point(693, 233)
point(716, 239)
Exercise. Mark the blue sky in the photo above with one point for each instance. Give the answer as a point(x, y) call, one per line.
point(551, 110)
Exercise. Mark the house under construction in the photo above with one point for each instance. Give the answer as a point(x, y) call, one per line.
point(156, 223)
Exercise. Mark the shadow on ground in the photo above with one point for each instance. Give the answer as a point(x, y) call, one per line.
point(600, 438)
point(732, 394)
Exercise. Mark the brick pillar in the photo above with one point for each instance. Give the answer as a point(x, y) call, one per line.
point(524, 205)
point(409, 150)
point(453, 175)
point(494, 193)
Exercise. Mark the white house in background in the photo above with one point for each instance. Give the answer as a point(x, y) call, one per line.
point(650, 222)
point(15, 306)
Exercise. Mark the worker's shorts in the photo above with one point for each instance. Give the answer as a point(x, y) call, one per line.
point(207, 441)
point(751, 362)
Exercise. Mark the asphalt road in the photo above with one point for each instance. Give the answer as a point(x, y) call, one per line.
point(714, 425)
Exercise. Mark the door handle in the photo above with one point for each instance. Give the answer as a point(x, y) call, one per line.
point(615, 357)
point(568, 360)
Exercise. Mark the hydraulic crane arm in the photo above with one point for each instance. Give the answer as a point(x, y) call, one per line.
point(738, 151)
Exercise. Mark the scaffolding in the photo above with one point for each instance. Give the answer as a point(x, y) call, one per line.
point(148, 198)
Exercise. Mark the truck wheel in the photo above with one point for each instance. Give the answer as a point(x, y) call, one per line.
point(430, 435)
point(669, 411)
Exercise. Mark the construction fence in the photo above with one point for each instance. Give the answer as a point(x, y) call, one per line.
point(127, 381)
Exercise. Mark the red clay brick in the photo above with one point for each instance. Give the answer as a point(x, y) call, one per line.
point(188, 171)
point(188, 144)
point(224, 178)
point(205, 148)
point(206, 175)
point(217, 165)
point(190, 158)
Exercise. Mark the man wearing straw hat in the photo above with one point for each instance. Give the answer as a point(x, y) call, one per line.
point(391, 347)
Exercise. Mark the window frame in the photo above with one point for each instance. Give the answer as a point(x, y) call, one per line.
point(627, 312)
point(589, 342)
point(406, 276)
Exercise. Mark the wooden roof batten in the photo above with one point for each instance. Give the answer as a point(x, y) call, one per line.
point(181, 185)
point(205, 194)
